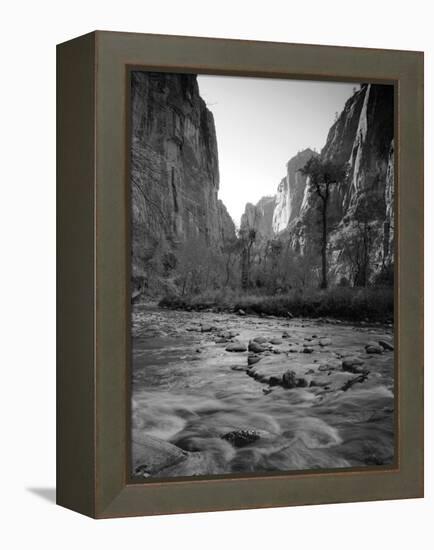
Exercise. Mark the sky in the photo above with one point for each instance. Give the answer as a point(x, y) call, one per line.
point(261, 123)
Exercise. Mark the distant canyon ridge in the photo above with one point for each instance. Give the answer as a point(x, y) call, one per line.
point(175, 182)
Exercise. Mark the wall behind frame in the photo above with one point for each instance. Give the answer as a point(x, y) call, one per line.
point(27, 222)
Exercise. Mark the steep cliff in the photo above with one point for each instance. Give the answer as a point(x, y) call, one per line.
point(291, 191)
point(260, 218)
point(174, 171)
point(360, 210)
point(361, 206)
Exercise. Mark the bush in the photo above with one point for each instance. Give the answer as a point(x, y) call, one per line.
point(352, 304)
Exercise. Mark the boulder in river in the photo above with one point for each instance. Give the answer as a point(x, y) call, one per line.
point(353, 364)
point(228, 334)
point(236, 346)
point(241, 438)
point(275, 380)
point(276, 341)
point(192, 328)
point(325, 342)
point(373, 348)
point(357, 380)
point(152, 455)
point(285, 334)
point(307, 349)
point(255, 347)
point(252, 359)
point(221, 340)
point(239, 368)
point(329, 365)
point(386, 345)
point(207, 328)
point(260, 340)
point(290, 380)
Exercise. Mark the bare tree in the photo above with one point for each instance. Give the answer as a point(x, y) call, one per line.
point(231, 250)
point(248, 237)
point(322, 175)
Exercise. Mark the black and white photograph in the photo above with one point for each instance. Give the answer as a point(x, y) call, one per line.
point(262, 275)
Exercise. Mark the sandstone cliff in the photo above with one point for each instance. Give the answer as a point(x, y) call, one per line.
point(259, 217)
point(360, 211)
point(290, 192)
point(361, 207)
point(174, 172)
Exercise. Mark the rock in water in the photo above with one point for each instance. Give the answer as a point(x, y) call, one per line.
point(207, 328)
point(260, 340)
point(241, 438)
point(374, 348)
point(276, 341)
point(255, 347)
point(239, 368)
point(236, 346)
point(290, 380)
point(307, 349)
point(357, 380)
point(151, 454)
point(325, 342)
point(386, 345)
point(353, 364)
point(252, 359)
point(275, 380)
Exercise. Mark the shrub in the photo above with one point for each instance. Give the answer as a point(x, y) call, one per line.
point(352, 304)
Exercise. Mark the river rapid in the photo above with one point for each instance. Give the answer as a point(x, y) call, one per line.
point(198, 409)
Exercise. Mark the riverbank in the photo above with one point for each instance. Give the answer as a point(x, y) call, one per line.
point(351, 304)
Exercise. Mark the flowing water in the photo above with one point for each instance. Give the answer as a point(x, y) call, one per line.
point(198, 409)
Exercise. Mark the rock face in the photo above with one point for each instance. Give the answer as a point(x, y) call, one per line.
point(260, 217)
point(361, 215)
point(360, 208)
point(290, 192)
point(174, 170)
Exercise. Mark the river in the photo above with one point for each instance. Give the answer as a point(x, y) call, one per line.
point(198, 409)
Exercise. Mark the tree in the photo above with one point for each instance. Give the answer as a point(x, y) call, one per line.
point(248, 237)
point(230, 251)
point(322, 175)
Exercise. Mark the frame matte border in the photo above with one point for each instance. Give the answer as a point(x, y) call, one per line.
point(100, 485)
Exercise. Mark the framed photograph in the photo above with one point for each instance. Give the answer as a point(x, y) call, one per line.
point(240, 274)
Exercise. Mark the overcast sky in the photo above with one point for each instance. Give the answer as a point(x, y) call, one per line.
point(261, 123)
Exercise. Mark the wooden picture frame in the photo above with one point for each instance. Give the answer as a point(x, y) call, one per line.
point(93, 259)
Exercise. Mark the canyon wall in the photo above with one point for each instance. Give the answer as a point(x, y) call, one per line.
point(174, 172)
point(259, 217)
point(361, 206)
point(290, 192)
